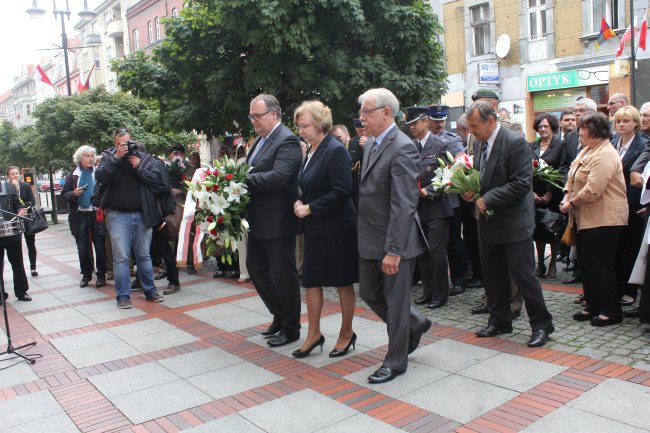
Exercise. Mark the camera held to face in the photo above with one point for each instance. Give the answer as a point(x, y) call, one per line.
point(132, 147)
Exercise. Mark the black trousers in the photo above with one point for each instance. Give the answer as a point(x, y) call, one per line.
point(163, 249)
point(596, 254)
point(14, 249)
point(433, 263)
point(89, 234)
point(470, 236)
point(30, 241)
point(626, 252)
point(271, 265)
point(516, 259)
point(459, 262)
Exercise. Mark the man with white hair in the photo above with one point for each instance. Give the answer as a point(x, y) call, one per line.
point(645, 119)
point(389, 229)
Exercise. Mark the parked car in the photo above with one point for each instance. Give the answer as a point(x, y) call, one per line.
point(44, 185)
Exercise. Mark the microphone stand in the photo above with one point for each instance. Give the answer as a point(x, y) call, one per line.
point(10, 348)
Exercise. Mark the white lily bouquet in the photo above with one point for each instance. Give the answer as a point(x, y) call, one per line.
point(442, 180)
point(221, 197)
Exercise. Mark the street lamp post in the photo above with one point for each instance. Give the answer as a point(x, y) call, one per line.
point(87, 15)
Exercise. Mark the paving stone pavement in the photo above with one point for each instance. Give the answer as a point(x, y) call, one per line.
point(197, 363)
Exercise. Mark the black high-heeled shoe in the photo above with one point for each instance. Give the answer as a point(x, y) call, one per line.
point(342, 352)
point(300, 354)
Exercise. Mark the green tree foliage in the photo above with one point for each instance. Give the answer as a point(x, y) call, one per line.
point(218, 54)
point(63, 123)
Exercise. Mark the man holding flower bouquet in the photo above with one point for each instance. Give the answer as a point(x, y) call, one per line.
point(503, 160)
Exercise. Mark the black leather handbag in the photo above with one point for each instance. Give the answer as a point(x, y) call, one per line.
point(38, 224)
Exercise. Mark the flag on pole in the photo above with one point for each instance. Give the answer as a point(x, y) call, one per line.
point(643, 31)
point(84, 83)
point(605, 34)
point(41, 76)
point(626, 37)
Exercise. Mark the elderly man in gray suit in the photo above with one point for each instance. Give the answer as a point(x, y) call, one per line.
point(389, 233)
point(504, 161)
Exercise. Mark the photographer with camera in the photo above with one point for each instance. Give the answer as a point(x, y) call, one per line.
point(131, 179)
point(79, 188)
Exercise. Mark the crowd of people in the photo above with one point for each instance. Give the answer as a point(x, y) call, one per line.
point(330, 210)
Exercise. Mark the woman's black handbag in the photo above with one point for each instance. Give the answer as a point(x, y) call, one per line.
point(38, 224)
point(549, 225)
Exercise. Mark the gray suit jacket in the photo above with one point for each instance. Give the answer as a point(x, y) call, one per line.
point(388, 199)
point(506, 187)
point(432, 206)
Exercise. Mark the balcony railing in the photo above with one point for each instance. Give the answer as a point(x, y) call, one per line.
point(537, 48)
point(115, 28)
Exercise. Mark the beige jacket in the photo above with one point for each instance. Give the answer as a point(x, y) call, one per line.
point(598, 179)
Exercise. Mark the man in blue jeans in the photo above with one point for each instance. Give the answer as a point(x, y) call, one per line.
point(131, 181)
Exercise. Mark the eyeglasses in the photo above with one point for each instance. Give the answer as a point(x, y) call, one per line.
point(305, 125)
point(253, 117)
point(366, 111)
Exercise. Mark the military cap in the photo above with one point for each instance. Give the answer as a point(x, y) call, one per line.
point(438, 112)
point(485, 93)
point(415, 113)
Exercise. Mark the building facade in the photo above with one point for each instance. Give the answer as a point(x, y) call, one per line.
point(538, 55)
point(144, 22)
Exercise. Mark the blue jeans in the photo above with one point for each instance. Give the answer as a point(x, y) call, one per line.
point(128, 232)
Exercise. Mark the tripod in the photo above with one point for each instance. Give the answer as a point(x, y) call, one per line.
point(10, 348)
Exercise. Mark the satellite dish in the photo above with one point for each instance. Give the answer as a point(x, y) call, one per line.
point(503, 46)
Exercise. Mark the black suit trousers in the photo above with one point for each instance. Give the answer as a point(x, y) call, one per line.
point(457, 254)
point(518, 259)
point(626, 252)
point(271, 265)
point(596, 254)
point(15, 256)
point(433, 263)
point(470, 236)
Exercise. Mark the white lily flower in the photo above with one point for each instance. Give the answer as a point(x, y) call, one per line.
point(235, 190)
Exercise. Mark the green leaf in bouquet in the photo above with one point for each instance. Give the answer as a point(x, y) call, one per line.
point(189, 184)
point(226, 242)
point(475, 181)
point(229, 258)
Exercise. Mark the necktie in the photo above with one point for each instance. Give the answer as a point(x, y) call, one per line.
point(258, 148)
point(375, 148)
point(484, 155)
point(419, 145)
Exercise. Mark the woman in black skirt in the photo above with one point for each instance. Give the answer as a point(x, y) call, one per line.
point(331, 256)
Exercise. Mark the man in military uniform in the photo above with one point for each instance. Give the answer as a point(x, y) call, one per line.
point(459, 262)
point(492, 98)
point(434, 210)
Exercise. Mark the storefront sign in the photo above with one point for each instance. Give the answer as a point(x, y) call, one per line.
point(557, 99)
point(567, 79)
point(488, 73)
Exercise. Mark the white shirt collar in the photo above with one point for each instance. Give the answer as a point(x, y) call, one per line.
point(274, 128)
point(490, 140)
point(381, 136)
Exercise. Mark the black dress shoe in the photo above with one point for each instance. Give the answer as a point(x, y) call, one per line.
point(480, 309)
point(573, 280)
point(582, 317)
point(632, 312)
point(283, 338)
point(540, 337)
point(493, 330)
point(456, 290)
point(24, 298)
point(191, 270)
point(336, 353)
point(272, 330)
point(436, 304)
point(422, 300)
point(160, 275)
point(597, 321)
point(625, 303)
point(4, 297)
point(101, 282)
point(414, 339)
point(383, 375)
point(84, 282)
point(474, 284)
point(304, 353)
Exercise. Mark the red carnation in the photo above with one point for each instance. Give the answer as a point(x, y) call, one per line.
point(214, 232)
point(228, 176)
point(220, 220)
point(184, 177)
point(535, 163)
point(450, 184)
point(215, 173)
point(209, 218)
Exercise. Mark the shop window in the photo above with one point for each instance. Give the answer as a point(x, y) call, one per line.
point(480, 22)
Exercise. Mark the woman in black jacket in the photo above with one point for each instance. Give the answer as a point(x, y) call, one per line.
point(548, 148)
point(9, 201)
point(26, 199)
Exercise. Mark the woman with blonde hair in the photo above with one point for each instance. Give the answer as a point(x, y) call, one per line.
point(329, 219)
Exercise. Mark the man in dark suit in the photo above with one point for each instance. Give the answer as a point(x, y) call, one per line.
point(27, 199)
point(503, 159)
point(272, 183)
point(355, 149)
point(389, 233)
point(434, 210)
